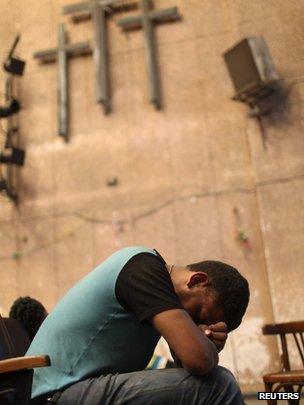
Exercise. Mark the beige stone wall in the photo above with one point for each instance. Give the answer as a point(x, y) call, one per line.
point(183, 172)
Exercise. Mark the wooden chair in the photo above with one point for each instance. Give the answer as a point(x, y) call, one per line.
point(16, 373)
point(288, 379)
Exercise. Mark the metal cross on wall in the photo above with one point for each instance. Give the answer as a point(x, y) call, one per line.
point(146, 21)
point(61, 53)
point(98, 10)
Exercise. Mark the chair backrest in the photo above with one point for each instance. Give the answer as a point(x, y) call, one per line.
point(296, 329)
point(15, 388)
point(14, 340)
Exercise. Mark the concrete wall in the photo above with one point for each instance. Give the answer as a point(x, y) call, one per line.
point(190, 176)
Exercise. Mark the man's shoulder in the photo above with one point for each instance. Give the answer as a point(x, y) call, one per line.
point(129, 252)
point(136, 249)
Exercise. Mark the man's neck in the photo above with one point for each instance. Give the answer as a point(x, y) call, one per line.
point(178, 276)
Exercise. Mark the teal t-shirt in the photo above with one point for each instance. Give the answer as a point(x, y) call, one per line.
point(89, 333)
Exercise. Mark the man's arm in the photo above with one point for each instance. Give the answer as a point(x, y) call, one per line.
point(192, 347)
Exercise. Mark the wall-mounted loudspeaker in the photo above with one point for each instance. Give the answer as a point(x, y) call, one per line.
point(251, 69)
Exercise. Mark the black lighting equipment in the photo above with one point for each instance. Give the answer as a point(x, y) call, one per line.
point(12, 64)
point(251, 69)
point(13, 108)
point(14, 156)
point(3, 185)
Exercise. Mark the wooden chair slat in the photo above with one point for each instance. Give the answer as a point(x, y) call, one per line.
point(300, 349)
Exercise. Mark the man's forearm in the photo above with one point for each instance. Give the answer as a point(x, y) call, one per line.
point(211, 360)
point(198, 354)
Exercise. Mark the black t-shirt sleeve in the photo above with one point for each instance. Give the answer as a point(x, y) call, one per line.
point(144, 287)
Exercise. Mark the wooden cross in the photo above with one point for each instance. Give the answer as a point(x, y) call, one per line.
point(98, 9)
point(146, 21)
point(61, 53)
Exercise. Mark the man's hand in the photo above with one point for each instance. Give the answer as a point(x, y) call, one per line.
point(217, 333)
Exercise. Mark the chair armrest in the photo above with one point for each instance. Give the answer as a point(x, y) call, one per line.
point(21, 363)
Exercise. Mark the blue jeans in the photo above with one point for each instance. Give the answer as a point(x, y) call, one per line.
point(159, 387)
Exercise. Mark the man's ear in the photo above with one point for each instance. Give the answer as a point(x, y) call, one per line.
point(198, 279)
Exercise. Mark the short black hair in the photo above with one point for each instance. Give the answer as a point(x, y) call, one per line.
point(30, 313)
point(231, 288)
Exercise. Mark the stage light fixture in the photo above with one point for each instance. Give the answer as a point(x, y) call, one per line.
point(12, 64)
point(13, 108)
point(13, 156)
point(3, 185)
